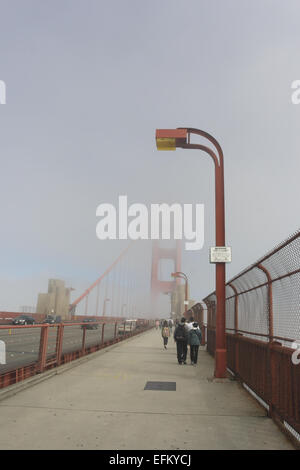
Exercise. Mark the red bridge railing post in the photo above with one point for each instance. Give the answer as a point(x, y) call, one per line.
point(59, 343)
point(274, 386)
point(270, 300)
point(102, 334)
point(43, 348)
point(236, 328)
point(203, 335)
point(271, 357)
point(83, 341)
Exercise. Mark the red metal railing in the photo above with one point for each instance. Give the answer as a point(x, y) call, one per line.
point(32, 349)
point(262, 323)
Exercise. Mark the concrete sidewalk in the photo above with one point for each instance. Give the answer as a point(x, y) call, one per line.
point(102, 404)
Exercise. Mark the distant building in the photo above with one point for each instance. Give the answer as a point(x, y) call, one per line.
point(56, 302)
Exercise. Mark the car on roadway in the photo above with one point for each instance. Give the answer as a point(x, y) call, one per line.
point(23, 320)
point(90, 324)
point(127, 326)
point(49, 320)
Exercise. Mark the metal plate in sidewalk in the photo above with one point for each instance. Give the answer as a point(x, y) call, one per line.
point(167, 386)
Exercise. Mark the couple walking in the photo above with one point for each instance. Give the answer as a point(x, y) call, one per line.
point(185, 334)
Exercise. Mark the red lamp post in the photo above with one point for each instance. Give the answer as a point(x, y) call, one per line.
point(170, 139)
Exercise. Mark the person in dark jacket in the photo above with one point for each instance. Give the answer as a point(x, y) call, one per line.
point(181, 339)
point(194, 340)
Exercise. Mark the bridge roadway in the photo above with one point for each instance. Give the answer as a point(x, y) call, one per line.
point(101, 404)
point(22, 344)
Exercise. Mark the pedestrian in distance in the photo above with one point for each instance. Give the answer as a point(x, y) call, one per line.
point(165, 332)
point(170, 325)
point(194, 340)
point(156, 324)
point(181, 339)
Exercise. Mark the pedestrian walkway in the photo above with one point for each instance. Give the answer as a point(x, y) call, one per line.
point(102, 404)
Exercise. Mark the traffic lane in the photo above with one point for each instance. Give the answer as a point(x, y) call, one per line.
point(30, 342)
point(20, 353)
point(27, 336)
point(92, 337)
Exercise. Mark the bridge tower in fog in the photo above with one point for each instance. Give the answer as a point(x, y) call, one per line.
point(159, 286)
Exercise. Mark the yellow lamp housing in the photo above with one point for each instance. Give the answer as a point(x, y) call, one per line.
point(166, 144)
point(169, 139)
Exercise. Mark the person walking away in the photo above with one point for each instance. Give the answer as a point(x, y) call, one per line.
point(189, 324)
point(156, 324)
point(165, 332)
point(170, 325)
point(194, 340)
point(181, 339)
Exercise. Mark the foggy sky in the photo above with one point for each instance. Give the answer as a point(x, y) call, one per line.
point(88, 82)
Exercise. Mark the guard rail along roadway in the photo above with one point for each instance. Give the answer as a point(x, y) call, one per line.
point(31, 349)
point(263, 331)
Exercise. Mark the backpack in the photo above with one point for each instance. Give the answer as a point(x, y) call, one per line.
point(180, 333)
point(194, 335)
point(166, 332)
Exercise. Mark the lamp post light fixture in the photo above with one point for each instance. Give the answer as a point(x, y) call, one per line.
point(183, 276)
point(170, 139)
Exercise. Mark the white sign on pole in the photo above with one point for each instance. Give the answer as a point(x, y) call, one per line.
point(220, 254)
point(186, 302)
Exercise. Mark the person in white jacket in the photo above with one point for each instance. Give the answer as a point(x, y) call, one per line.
point(189, 324)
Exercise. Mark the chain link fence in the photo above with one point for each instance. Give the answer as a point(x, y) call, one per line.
point(263, 329)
